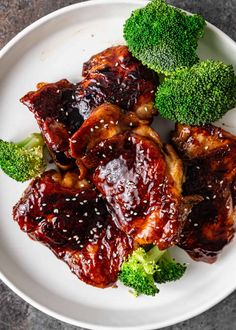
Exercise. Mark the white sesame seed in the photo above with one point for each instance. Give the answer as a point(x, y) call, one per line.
point(56, 211)
point(86, 214)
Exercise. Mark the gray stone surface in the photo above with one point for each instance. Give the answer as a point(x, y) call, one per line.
point(15, 314)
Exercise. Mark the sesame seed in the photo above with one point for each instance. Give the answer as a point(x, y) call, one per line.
point(67, 199)
point(31, 206)
point(73, 141)
point(86, 214)
point(68, 215)
point(102, 121)
point(81, 220)
point(195, 224)
point(56, 211)
point(100, 257)
point(64, 230)
point(91, 129)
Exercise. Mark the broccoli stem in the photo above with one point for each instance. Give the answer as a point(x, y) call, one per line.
point(154, 254)
point(32, 141)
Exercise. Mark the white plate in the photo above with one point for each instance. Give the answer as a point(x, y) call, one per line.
point(50, 49)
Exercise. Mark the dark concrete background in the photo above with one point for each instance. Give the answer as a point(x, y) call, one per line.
point(15, 314)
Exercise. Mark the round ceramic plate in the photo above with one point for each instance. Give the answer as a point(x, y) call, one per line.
point(55, 47)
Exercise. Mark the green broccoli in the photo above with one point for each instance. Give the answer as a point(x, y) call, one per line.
point(142, 269)
point(168, 269)
point(22, 161)
point(198, 95)
point(163, 37)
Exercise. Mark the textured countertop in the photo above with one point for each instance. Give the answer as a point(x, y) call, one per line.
point(14, 312)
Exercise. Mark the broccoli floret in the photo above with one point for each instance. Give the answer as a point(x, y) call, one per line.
point(168, 269)
point(137, 272)
point(163, 37)
point(198, 95)
point(24, 160)
point(142, 268)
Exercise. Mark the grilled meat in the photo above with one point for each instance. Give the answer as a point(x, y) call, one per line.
point(115, 76)
point(70, 217)
point(111, 76)
point(57, 116)
point(209, 154)
point(139, 177)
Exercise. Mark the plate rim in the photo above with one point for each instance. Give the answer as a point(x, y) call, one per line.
point(11, 285)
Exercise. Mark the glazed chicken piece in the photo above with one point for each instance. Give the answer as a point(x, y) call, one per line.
point(54, 108)
point(70, 217)
point(210, 156)
point(115, 76)
point(140, 178)
point(111, 76)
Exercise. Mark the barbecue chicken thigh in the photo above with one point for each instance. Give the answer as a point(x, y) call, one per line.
point(70, 217)
point(140, 178)
point(209, 154)
point(113, 75)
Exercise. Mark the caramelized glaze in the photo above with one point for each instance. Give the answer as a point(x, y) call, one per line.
point(210, 157)
point(115, 76)
point(57, 116)
point(75, 224)
point(132, 174)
